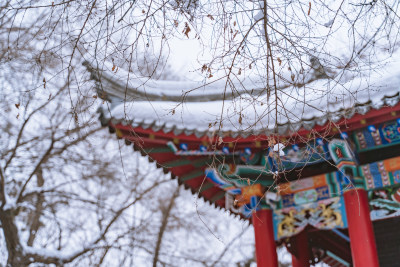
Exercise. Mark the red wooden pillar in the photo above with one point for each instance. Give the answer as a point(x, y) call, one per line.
point(362, 238)
point(302, 259)
point(265, 242)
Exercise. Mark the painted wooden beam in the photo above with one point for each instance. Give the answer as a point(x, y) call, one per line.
point(217, 196)
point(205, 186)
point(191, 175)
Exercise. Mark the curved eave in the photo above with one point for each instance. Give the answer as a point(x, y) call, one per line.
point(188, 170)
point(113, 84)
point(349, 120)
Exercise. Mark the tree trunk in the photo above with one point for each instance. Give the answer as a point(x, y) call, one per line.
point(10, 231)
point(35, 216)
point(164, 223)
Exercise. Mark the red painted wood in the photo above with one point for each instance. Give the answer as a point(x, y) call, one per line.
point(371, 117)
point(303, 253)
point(264, 235)
point(362, 238)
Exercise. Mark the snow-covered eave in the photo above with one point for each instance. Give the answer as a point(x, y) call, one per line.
point(165, 105)
point(122, 85)
point(124, 116)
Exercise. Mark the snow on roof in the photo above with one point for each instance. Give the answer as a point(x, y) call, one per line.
point(175, 106)
point(122, 84)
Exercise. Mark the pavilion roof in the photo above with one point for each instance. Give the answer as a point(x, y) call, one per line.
point(154, 114)
point(217, 108)
point(153, 124)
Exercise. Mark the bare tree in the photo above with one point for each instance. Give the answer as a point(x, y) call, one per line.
point(55, 180)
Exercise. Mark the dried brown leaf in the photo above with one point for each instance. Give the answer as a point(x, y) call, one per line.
point(186, 30)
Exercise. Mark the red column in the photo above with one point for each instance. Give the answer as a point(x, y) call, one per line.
point(362, 238)
point(303, 253)
point(265, 242)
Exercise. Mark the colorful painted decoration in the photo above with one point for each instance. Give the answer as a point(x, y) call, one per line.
point(303, 184)
point(239, 174)
point(324, 214)
point(183, 147)
point(319, 141)
point(306, 196)
point(230, 203)
point(340, 151)
point(384, 203)
point(371, 128)
point(227, 185)
point(385, 134)
point(250, 158)
point(344, 135)
point(391, 132)
point(381, 174)
point(307, 190)
point(184, 151)
point(296, 157)
point(250, 199)
point(250, 191)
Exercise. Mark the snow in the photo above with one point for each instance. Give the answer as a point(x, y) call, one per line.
point(10, 202)
point(241, 104)
point(46, 253)
point(319, 101)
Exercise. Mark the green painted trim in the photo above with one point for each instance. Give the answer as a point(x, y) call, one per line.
point(158, 150)
point(184, 161)
point(218, 196)
point(172, 146)
point(191, 175)
point(332, 184)
point(337, 258)
point(279, 205)
point(391, 178)
point(392, 186)
point(263, 205)
point(205, 186)
point(200, 162)
point(176, 163)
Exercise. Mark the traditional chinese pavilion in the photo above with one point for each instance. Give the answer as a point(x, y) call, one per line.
point(315, 167)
